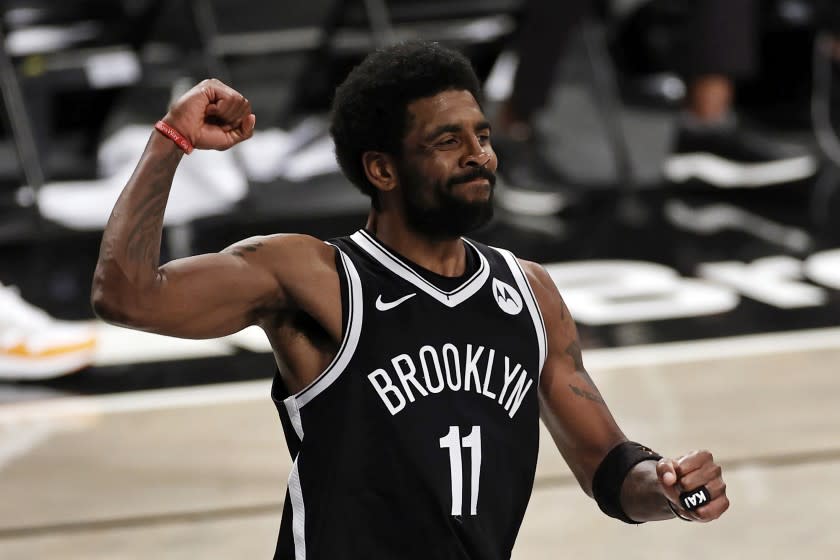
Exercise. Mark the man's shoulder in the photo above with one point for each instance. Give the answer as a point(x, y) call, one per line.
point(532, 269)
point(282, 249)
point(284, 242)
point(540, 280)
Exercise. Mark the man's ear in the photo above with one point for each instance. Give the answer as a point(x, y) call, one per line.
point(380, 170)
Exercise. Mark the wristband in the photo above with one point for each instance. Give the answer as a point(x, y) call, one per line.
point(610, 475)
point(175, 136)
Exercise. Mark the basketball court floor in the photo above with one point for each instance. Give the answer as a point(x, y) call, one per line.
point(200, 472)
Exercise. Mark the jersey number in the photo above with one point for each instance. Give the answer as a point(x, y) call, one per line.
point(454, 442)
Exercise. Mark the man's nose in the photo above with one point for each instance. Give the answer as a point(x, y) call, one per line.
point(476, 156)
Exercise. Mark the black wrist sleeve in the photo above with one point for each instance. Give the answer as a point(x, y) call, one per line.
point(606, 485)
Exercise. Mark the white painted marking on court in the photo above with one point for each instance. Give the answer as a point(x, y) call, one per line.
point(120, 346)
point(125, 347)
point(17, 440)
point(136, 401)
point(599, 360)
point(712, 349)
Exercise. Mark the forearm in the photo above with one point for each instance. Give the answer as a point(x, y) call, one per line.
point(642, 497)
point(130, 251)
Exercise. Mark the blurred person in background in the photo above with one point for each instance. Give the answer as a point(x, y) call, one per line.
point(404, 347)
point(35, 345)
point(710, 145)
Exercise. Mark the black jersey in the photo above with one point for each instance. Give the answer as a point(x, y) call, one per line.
point(420, 439)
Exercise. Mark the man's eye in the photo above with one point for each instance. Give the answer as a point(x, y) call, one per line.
point(448, 141)
point(483, 138)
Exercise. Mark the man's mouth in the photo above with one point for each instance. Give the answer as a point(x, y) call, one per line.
point(482, 177)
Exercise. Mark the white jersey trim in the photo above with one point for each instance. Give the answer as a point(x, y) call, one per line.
point(352, 332)
point(450, 299)
point(295, 402)
point(294, 416)
point(530, 302)
point(298, 512)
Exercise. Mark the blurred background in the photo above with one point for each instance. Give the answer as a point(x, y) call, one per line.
point(675, 165)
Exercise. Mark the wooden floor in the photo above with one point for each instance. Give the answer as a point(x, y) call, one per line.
point(201, 474)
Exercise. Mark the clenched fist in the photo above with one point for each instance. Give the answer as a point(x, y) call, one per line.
point(689, 473)
point(212, 116)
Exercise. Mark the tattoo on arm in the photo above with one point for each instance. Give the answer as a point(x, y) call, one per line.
point(573, 351)
point(240, 250)
point(145, 222)
point(144, 237)
point(586, 394)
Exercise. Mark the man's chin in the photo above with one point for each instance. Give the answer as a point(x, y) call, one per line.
point(481, 212)
point(453, 225)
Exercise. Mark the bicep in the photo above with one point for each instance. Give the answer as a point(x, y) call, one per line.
point(571, 406)
point(211, 295)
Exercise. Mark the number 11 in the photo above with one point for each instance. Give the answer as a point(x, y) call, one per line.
point(453, 442)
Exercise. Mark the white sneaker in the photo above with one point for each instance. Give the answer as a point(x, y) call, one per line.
point(208, 183)
point(34, 345)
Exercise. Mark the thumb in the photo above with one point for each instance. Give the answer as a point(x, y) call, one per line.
point(666, 470)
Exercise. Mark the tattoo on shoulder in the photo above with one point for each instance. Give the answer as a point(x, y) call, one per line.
point(594, 397)
point(241, 250)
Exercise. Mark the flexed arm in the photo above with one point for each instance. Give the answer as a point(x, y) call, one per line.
point(201, 296)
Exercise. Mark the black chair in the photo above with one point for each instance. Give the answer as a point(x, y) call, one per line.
point(58, 78)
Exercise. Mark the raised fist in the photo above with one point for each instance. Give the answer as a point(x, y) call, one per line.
point(685, 477)
point(212, 116)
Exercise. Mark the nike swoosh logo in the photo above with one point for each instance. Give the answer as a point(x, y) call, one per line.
point(385, 306)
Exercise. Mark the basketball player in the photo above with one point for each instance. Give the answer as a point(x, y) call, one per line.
point(413, 363)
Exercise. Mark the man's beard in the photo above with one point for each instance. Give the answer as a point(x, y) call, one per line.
point(433, 210)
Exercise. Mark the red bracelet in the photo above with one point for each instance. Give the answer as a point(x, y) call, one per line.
point(175, 136)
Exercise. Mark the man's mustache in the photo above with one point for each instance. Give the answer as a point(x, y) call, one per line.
point(477, 173)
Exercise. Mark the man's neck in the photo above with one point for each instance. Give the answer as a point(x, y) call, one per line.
point(446, 257)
